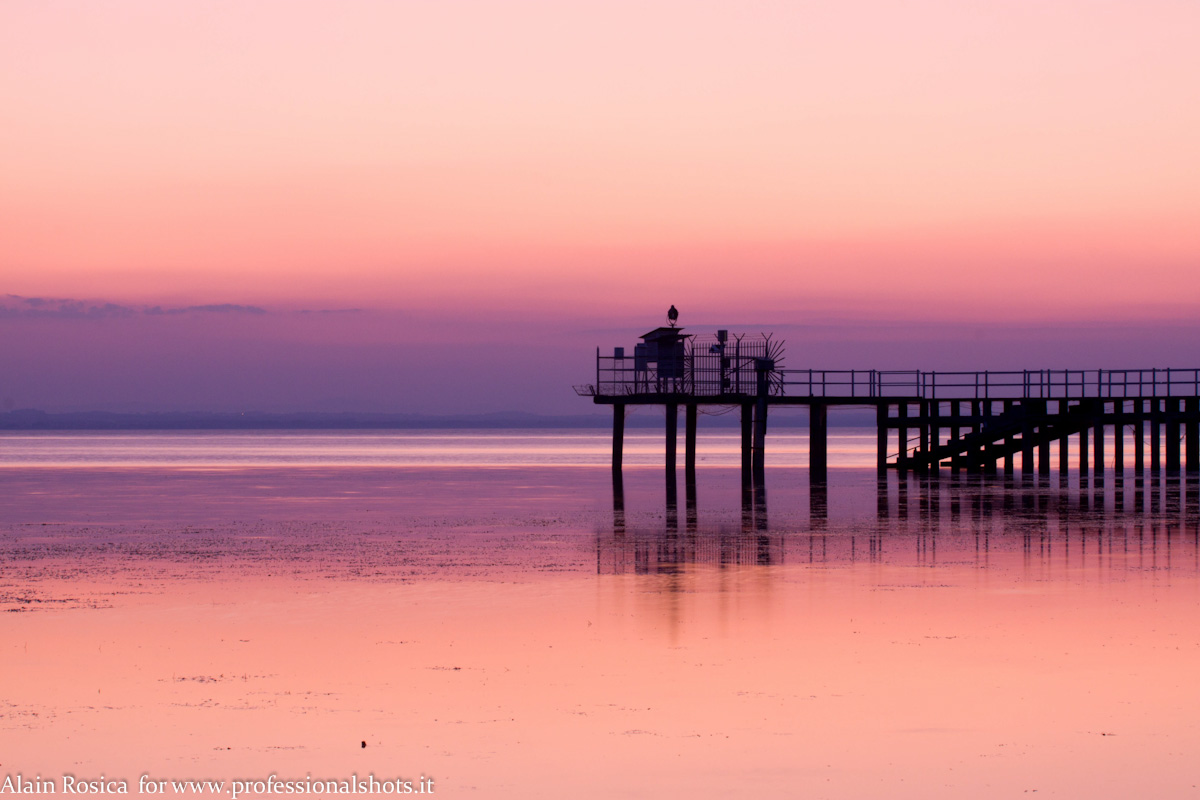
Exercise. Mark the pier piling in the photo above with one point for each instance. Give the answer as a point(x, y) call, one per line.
point(1064, 449)
point(881, 438)
point(1192, 426)
point(747, 433)
point(1139, 442)
point(689, 443)
point(1155, 436)
point(672, 439)
point(818, 425)
point(1173, 435)
point(1119, 439)
point(618, 443)
point(989, 416)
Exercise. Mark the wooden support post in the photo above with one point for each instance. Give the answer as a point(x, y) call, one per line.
point(1083, 452)
point(689, 443)
point(1192, 426)
point(990, 466)
point(923, 435)
point(1009, 441)
point(935, 435)
point(818, 425)
point(1139, 440)
point(881, 438)
point(672, 438)
point(1098, 444)
point(1119, 448)
point(689, 463)
point(955, 417)
point(1027, 438)
point(760, 423)
point(1119, 439)
point(760, 441)
point(1064, 450)
point(747, 447)
point(1155, 436)
point(902, 435)
point(618, 444)
point(975, 462)
point(1043, 437)
point(1173, 436)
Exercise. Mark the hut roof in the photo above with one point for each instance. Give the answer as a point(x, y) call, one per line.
point(663, 333)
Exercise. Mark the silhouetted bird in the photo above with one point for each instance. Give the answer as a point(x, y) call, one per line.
point(672, 316)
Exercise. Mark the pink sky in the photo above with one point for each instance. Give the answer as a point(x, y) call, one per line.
point(962, 163)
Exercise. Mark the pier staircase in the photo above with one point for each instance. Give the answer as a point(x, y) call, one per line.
point(1021, 428)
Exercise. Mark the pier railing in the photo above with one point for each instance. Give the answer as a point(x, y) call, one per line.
point(615, 380)
point(998, 385)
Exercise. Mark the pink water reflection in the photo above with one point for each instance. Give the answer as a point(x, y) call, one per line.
point(494, 630)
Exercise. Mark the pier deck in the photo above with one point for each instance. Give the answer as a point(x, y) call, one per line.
point(925, 420)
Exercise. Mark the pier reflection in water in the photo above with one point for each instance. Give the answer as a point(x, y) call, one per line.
point(1151, 522)
point(924, 636)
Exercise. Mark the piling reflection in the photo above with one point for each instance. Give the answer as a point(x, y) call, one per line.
point(754, 508)
point(818, 504)
point(658, 552)
point(1149, 521)
point(922, 497)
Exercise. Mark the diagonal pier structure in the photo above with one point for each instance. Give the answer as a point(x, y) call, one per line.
point(925, 421)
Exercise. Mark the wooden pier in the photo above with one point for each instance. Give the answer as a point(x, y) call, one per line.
point(982, 421)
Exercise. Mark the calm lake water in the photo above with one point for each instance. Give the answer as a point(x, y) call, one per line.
point(850, 447)
point(481, 609)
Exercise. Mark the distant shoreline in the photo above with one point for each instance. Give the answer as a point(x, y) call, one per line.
point(36, 420)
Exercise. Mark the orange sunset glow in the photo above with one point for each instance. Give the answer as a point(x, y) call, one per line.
point(984, 172)
point(376, 153)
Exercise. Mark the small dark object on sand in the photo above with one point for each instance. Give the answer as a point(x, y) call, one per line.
point(364, 744)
